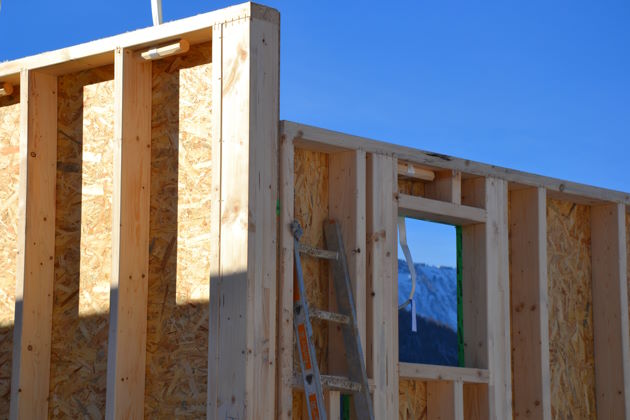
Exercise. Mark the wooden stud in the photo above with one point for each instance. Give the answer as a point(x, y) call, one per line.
point(445, 400)
point(285, 279)
point(242, 350)
point(382, 267)
point(30, 374)
point(347, 206)
point(333, 406)
point(610, 311)
point(529, 316)
point(130, 237)
point(486, 293)
point(447, 186)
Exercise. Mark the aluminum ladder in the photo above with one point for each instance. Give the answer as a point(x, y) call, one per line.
point(356, 383)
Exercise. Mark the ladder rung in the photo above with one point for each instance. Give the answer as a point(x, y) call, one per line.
point(318, 253)
point(337, 383)
point(329, 316)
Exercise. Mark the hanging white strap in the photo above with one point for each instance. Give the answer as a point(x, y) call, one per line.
point(402, 237)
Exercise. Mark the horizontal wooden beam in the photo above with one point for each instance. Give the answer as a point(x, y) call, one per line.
point(412, 170)
point(442, 373)
point(318, 138)
point(195, 29)
point(439, 211)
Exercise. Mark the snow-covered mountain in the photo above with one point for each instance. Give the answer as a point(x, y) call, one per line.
point(435, 341)
point(435, 294)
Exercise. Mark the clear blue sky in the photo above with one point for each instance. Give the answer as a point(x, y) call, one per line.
point(541, 86)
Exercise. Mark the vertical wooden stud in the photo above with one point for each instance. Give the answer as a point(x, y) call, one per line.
point(130, 237)
point(382, 267)
point(610, 311)
point(347, 206)
point(36, 246)
point(529, 316)
point(447, 186)
point(242, 348)
point(285, 279)
point(486, 293)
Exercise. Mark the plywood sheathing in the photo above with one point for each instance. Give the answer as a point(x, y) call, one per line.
point(179, 269)
point(412, 400)
point(9, 184)
point(570, 310)
point(311, 210)
point(85, 113)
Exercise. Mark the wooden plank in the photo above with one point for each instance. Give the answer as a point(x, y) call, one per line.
point(439, 211)
point(242, 353)
point(411, 170)
point(331, 141)
point(529, 316)
point(498, 299)
point(442, 373)
point(36, 246)
point(333, 405)
point(130, 237)
point(610, 311)
point(347, 205)
point(475, 401)
point(382, 267)
point(447, 186)
point(445, 400)
point(195, 29)
point(285, 279)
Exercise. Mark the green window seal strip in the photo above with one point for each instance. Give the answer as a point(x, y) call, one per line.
point(460, 300)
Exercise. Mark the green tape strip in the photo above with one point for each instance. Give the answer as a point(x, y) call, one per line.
point(460, 300)
point(345, 407)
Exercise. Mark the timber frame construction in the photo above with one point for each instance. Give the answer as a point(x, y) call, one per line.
point(146, 261)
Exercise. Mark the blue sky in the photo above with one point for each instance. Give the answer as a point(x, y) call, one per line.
point(540, 86)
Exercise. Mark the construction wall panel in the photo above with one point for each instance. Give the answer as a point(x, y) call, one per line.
point(179, 268)
point(628, 269)
point(570, 310)
point(311, 210)
point(9, 183)
point(412, 400)
point(82, 243)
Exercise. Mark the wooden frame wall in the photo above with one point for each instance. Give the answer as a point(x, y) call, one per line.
point(245, 52)
point(504, 227)
point(250, 355)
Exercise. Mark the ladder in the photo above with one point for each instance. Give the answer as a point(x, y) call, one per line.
point(356, 383)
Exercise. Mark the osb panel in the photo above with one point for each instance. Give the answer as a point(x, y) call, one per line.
point(179, 270)
point(412, 400)
point(9, 184)
point(311, 210)
point(82, 244)
point(570, 310)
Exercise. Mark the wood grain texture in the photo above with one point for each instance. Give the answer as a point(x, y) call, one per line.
point(628, 268)
point(528, 303)
point(179, 264)
point(36, 246)
point(311, 210)
point(82, 243)
point(570, 310)
point(9, 204)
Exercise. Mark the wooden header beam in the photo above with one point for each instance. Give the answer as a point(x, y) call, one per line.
point(316, 138)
